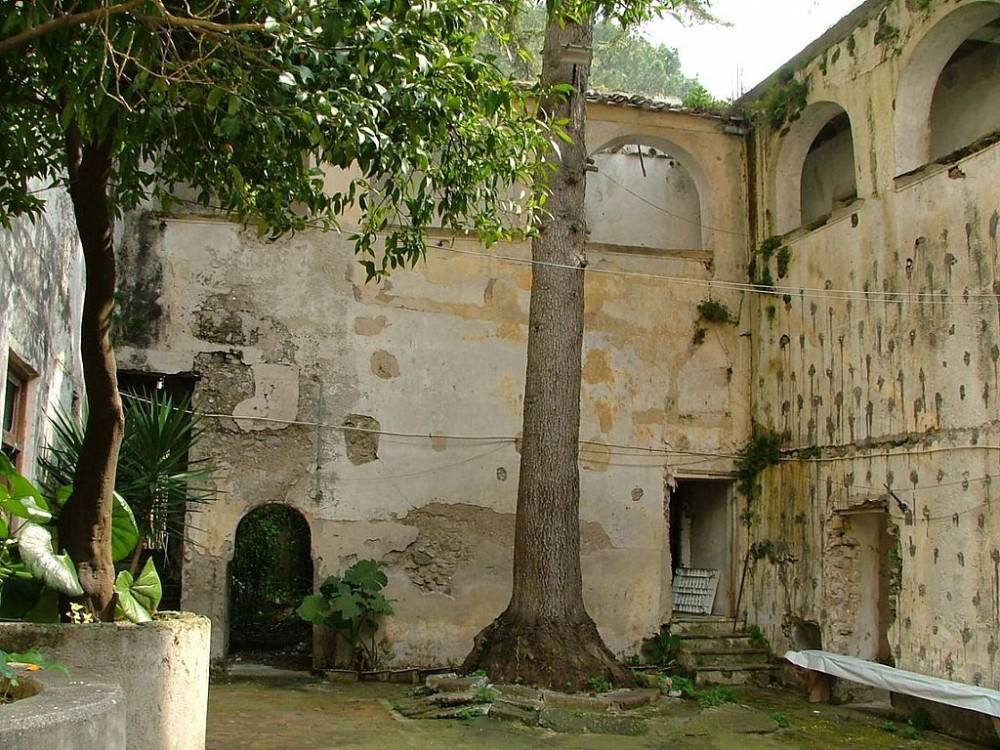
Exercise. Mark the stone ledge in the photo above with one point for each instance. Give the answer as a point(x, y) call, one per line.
point(82, 712)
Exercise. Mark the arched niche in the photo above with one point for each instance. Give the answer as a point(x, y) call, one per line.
point(949, 92)
point(269, 574)
point(647, 193)
point(815, 172)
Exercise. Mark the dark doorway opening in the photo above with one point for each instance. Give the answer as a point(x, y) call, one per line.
point(271, 571)
point(701, 534)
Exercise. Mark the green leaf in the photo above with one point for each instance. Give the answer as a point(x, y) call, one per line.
point(128, 607)
point(24, 508)
point(18, 495)
point(313, 609)
point(34, 544)
point(147, 588)
point(124, 530)
point(6, 671)
point(35, 658)
point(367, 574)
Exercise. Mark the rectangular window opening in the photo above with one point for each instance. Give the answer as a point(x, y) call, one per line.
point(15, 408)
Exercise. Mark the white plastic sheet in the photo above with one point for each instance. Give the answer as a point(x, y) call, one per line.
point(958, 694)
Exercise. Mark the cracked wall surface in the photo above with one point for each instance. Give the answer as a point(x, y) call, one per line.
point(388, 414)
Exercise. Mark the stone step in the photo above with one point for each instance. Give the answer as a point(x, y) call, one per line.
point(711, 641)
point(704, 624)
point(735, 674)
point(725, 657)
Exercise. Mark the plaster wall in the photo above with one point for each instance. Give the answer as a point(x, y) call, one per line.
point(41, 295)
point(895, 382)
point(293, 349)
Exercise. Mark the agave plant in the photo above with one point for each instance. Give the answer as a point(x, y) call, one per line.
point(156, 473)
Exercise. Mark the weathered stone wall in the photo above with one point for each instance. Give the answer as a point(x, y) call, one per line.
point(884, 354)
point(301, 360)
point(41, 294)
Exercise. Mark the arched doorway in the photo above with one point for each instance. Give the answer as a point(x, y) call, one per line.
point(271, 570)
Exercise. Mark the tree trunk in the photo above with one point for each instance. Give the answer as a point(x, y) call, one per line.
point(545, 636)
point(85, 520)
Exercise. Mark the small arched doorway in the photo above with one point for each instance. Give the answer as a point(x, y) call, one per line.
point(271, 571)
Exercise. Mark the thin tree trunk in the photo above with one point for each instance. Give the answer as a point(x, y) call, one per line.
point(545, 635)
point(85, 521)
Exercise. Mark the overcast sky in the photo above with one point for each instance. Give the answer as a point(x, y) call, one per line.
point(764, 34)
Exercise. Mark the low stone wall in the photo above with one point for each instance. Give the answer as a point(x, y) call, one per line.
point(62, 713)
point(162, 668)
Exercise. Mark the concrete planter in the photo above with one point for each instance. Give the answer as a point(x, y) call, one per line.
point(162, 668)
point(55, 712)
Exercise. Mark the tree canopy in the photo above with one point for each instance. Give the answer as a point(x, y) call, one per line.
point(624, 60)
point(243, 100)
point(243, 104)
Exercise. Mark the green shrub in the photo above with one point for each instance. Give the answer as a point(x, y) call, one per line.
point(684, 686)
point(660, 649)
point(352, 605)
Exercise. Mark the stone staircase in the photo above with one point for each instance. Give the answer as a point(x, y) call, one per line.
point(713, 652)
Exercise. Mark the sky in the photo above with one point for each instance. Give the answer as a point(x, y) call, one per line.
point(764, 35)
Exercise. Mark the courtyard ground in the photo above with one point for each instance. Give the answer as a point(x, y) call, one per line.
point(294, 711)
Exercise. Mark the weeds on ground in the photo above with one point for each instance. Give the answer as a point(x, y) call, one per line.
point(600, 684)
point(684, 686)
point(485, 694)
point(717, 696)
point(780, 719)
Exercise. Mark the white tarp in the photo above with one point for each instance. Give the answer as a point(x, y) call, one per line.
point(958, 694)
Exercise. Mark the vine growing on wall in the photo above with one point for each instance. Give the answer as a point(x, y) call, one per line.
point(760, 263)
point(713, 311)
point(761, 451)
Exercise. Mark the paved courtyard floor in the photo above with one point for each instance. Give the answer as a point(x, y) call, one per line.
point(261, 710)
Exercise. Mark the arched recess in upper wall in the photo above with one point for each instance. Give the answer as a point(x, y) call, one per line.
point(647, 193)
point(949, 91)
point(815, 172)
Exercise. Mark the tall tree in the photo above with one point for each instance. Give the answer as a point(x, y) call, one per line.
point(241, 101)
point(545, 635)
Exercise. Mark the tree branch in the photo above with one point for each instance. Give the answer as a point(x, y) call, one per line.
point(199, 24)
point(65, 22)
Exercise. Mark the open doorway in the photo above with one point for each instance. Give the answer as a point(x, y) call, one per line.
point(271, 571)
point(873, 544)
point(701, 537)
